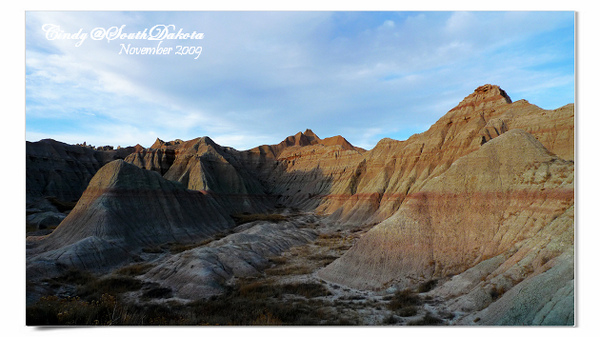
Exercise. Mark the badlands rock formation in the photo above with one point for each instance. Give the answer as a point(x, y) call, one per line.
point(63, 171)
point(476, 190)
point(124, 209)
point(482, 202)
point(204, 271)
point(487, 203)
point(202, 165)
point(394, 169)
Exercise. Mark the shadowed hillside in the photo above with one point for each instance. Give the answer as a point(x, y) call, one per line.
point(469, 222)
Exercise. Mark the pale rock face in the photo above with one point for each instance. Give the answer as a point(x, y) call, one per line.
point(204, 271)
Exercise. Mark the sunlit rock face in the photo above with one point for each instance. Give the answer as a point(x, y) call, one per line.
point(487, 203)
point(482, 201)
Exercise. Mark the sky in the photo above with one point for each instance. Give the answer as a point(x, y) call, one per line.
point(262, 76)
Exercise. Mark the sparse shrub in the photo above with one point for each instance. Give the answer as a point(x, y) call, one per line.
point(267, 319)
point(407, 311)
point(428, 319)
point(427, 286)
point(289, 270)
point(53, 310)
point(157, 293)
point(354, 298)
point(346, 321)
point(495, 293)
point(308, 290)
point(258, 290)
point(263, 290)
point(74, 276)
point(446, 315)
point(390, 320)
point(112, 285)
point(330, 236)
point(278, 259)
point(323, 259)
point(403, 299)
point(176, 248)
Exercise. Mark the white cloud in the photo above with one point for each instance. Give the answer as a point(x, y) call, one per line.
point(277, 73)
point(388, 24)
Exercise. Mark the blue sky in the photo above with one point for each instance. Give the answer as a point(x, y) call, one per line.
point(262, 76)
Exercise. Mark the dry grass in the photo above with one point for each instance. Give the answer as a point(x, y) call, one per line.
point(289, 270)
point(428, 319)
point(53, 310)
point(113, 285)
point(323, 259)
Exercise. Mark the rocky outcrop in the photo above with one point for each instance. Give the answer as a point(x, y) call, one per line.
point(128, 208)
point(511, 201)
point(553, 128)
point(483, 201)
point(394, 169)
point(159, 160)
point(482, 206)
point(203, 272)
point(304, 169)
point(202, 165)
point(62, 171)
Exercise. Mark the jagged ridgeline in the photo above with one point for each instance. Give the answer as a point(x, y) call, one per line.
point(481, 204)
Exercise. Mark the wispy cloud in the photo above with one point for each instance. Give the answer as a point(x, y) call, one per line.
point(265, 75)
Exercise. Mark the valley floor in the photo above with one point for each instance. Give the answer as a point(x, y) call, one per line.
point(287, 292)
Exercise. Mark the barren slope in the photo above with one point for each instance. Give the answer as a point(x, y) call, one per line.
point(482, 202)
point(394, 169)
point(125, 208)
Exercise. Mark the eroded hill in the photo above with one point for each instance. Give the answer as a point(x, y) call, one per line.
point(479, 208)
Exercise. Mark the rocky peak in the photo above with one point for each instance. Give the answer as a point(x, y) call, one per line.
point(122, 175)
point(157, 144)
point(310, 134)
point(300, 139)
point(487, 96)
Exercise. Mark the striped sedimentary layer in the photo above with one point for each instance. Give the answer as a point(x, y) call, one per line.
point(482, 206)
point(125, 208)
point(388, 173)
point(62, 171)
point(508, 205)
point(486, 194)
